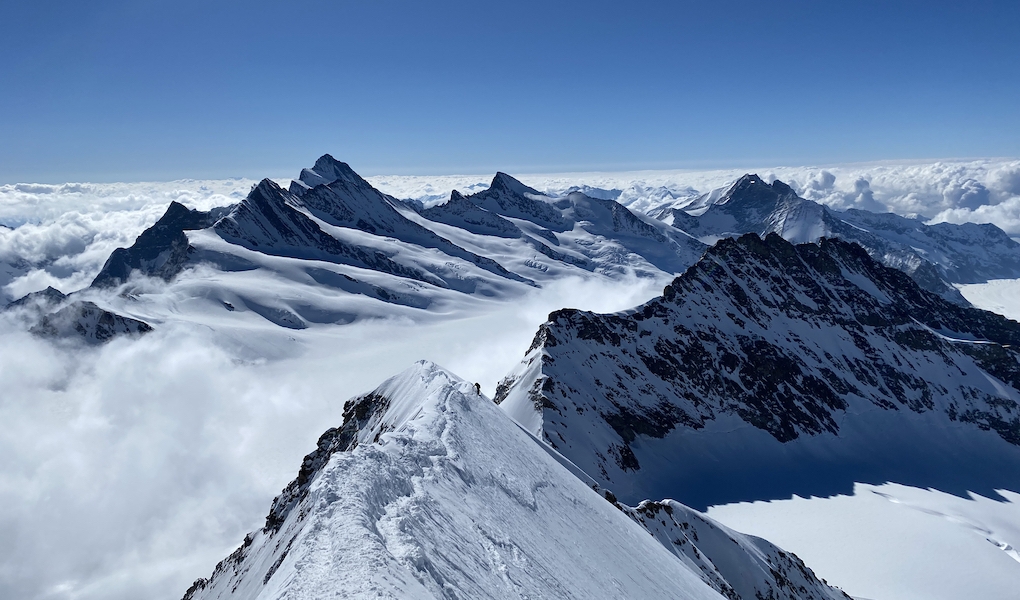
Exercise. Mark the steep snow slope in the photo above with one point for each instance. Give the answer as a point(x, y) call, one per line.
point(429, 491)
point(737, 565)
point(774, 369)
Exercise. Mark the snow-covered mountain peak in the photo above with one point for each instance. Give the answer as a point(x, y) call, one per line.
point(267, 190)
point(798, 342)
point(325, 171)
point(504, 182)
point(752, 191)
point(428, 490)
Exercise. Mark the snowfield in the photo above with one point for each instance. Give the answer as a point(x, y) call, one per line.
point(893, 542)
point(896, 542)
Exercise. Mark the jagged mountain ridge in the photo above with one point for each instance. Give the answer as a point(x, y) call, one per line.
point(936, 256)
point(792, 341)
point(428, 490)
point(509, 208)
point(350, 201)
point(86, 320)
point(334, 249)
point(161, 250)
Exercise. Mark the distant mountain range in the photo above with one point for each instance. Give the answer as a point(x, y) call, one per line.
point(332, 230)
point(797, 350)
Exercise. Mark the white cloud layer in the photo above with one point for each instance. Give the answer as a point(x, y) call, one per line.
point(955, 191)
point(66, 232)
point(132, 468)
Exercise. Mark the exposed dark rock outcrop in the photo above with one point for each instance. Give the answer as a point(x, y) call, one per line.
point(161, 250)
point(788, 339)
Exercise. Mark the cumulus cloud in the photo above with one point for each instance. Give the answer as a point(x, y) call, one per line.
point(967, 194)
point(1005, 215)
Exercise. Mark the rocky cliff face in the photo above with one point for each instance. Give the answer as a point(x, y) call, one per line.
point(86, 321)
point(793, 341)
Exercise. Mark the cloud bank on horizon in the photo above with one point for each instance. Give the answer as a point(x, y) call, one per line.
point(133, 467)
point(69, 230)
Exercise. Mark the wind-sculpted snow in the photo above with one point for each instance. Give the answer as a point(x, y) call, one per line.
point(428, 490)
point(797, 342)
point(442, 496)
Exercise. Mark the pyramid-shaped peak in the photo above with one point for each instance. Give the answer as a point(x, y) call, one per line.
point(753, 183)
point(267, 187)
point(326, 164)
point(327, 170)
point(751, 188)
point(267, 190)
point(502, 181)
point(747, 182)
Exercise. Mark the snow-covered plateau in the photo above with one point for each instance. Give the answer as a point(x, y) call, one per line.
point(790, 353)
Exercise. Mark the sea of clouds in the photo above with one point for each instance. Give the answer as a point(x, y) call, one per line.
point(977, 191)
point(130, 469)
point(65, 232)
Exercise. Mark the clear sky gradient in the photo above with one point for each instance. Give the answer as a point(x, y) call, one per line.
point(166, 89)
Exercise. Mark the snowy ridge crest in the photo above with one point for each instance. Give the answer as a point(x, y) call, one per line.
point(429, 491)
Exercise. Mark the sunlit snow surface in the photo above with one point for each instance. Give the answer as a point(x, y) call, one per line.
point(1000, 295)
point(132, 468)
point(891, 542)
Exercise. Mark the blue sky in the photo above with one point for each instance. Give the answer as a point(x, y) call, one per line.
point(155, 89)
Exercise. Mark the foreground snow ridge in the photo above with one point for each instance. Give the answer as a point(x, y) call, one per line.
point(429, 490)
